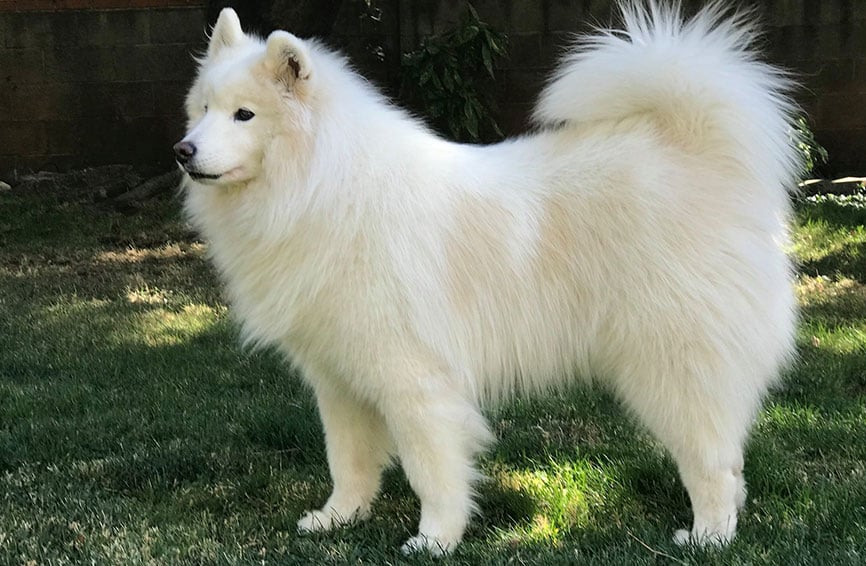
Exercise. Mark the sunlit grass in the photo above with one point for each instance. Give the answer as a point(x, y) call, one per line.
point(817, 240)
point(564, 495)
point(164, 327)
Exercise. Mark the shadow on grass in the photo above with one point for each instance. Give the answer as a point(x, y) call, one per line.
point(835, 214)
point(848, 261)
point(125, 352)
point(79, 390)
point(834, 238)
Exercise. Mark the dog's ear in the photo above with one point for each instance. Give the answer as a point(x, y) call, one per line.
point(226, 32)
point(287, 58)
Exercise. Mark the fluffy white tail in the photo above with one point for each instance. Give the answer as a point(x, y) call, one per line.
point(699, 78)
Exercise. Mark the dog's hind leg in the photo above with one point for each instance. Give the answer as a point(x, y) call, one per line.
point(703, 421)
point(359, 448)
point(717, 491)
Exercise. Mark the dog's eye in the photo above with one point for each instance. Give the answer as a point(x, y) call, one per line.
point(242, 115)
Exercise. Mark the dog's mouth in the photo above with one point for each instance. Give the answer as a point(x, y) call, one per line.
point(199, 176)
point(233, 175)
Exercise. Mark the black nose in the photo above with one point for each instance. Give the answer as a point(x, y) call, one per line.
point(184, 151)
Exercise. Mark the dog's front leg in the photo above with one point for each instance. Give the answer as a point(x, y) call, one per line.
point(437, 433)
point(359, 448)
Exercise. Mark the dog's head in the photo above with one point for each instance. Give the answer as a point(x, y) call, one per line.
point(247, 92)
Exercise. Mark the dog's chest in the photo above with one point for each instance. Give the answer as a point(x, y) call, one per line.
point(303, 291)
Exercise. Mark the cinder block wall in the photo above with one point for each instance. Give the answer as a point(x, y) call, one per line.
point(91, 87)
point(105, 85)
point(825, 43)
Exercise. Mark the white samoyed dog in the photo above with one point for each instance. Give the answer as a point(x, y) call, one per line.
point(635, 236)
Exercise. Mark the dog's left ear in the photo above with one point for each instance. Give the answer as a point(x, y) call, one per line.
point(287, 58)
point(226, 32)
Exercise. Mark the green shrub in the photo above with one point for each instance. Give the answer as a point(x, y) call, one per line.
point(814, 154)
point(444, 75)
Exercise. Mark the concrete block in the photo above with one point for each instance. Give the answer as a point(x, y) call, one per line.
point(830, 42)
point(493, 12)
point(80, 64)
point(859, 79)
point(566, 15)
point(513, 118)
point(845, 147)
point(168, 99)
point(23, 65)
point(831, 11)
point(119, 100)
point(793, 43)
point(62, 137)
point(526, 16)
point(22, 138)
point(554, 46)
point(524, 51)
point(823, 76)
point(101, 28)
point(162, 62)
point(842, 111)
point(785, 13)
point(178, 26)
point(523, 86)
point(42, 101)
point(599, 12)
point(25, 29)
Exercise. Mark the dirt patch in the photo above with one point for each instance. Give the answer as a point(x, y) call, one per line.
point(122, 187)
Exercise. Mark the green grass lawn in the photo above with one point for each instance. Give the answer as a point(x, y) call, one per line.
point(134, 429)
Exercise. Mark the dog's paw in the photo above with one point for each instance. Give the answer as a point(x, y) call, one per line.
point(683, 537)
point(432, 545)
point(315, 521)
point(320, 521)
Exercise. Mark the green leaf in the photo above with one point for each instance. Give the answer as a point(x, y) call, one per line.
point(488, 59)
point(441, 75)
point(472, 127)
point(472, 13)
point(437, 82)
point(448, 80)
point(424, 78)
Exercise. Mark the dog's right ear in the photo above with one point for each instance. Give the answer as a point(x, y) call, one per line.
point(288, 59)
point(226, 32)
